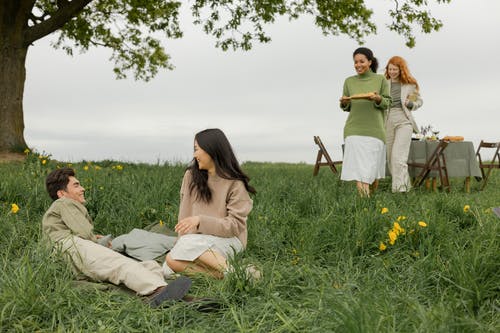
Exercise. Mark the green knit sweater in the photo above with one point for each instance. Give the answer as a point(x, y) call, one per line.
point(366, 118)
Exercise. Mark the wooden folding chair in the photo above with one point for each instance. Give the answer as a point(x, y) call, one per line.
point(322, 152)
point(493, 164)
point(435, 161)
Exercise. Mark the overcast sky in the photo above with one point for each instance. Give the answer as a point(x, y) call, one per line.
point(269, 101)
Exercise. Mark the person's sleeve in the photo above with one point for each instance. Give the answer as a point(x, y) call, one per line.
point(238, 207)
point(76, 220)
point(184, 194)
point(118, 243)
point(345, 92)
point(385, 94)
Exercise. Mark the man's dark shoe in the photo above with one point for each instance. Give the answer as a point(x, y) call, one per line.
point(174, 291)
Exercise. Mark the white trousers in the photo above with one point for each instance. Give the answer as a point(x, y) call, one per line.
point(103, 264)
point(398, 140)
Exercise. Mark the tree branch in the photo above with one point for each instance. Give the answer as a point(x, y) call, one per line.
point(38, 19)
point(57, 20)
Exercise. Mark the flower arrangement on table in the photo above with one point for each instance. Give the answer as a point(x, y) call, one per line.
point(427, 133)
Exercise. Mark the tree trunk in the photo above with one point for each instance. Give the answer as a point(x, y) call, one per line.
point(12, 76)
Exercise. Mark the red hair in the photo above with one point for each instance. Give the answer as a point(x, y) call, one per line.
point(405, 76)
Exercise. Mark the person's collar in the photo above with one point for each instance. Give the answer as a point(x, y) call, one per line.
point(366, 74)
point(63, 198)
point(214, 177)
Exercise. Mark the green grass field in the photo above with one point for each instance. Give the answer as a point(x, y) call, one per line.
point(317, 243)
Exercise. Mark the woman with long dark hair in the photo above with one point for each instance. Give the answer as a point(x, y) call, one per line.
point(213, 209)
point(366, 97)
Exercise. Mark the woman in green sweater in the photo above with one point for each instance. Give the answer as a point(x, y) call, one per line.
point(366, 96)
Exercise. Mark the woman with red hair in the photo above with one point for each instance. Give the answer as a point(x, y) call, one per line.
point(400, 123)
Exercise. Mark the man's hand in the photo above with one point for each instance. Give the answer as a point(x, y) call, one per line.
point(101, 236)
point(189, 225)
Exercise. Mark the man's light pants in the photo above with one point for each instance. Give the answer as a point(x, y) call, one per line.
point(103, 264)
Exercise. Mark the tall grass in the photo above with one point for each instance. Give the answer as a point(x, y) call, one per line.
point(316, 241)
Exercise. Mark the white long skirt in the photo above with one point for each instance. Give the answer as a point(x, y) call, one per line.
point(191, 246)
point(364, 159)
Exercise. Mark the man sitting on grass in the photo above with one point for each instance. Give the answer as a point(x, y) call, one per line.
point(68, 225)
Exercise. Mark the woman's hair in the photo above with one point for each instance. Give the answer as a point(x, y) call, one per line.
point(405, 76)
point(215, 143)
point(369, 55)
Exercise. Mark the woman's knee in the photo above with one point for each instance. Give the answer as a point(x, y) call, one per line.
point(213, 259)
point(176, 265)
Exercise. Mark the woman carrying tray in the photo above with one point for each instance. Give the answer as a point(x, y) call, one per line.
point(365, 97)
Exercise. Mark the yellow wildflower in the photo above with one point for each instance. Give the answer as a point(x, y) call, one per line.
point(27, 151)
point(161, 223)
point(384, 210)
point(119, 167)
point(398, 229)
point(392, 237)
point(466, 208)
point(401, 218)
point(44, 162)
point(86, 167)
point(422, 224)
point(97, 167)
point(14, 208)
point(382, 246)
